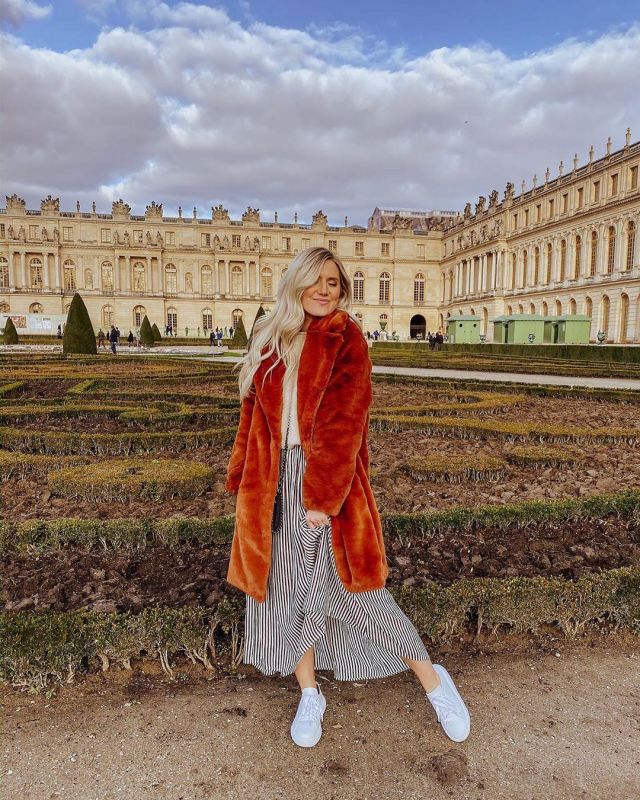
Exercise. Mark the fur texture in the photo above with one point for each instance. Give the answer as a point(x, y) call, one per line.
point(334, 397)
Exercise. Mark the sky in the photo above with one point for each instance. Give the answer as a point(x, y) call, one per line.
point(296, 107)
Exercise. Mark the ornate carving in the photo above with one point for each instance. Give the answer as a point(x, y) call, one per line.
point(480, 204)
point(127, 238)
point(50, 204)
point(188, 282)
point(159, 239)
point(467, 211)
point(15, 204)
point(497, 227)
point(256, 243)
point(45, 235)
point(219, 213)
point(10, 232)
point(120, 208)
point(484, 233)
point(149, 239)
point(493, 199)
point(251, 215)
point(319, 218)
point(401, 223)
point(508, 192)
point(22, 236)
point(153, 211)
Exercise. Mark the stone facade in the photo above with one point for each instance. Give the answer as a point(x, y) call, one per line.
point(566, 245)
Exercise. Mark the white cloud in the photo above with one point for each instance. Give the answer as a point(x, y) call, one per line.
point(187, 106)
point(17, 12)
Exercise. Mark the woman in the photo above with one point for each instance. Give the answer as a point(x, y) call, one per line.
point(315, 596)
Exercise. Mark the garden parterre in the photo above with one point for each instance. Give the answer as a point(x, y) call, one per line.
point(529, 515)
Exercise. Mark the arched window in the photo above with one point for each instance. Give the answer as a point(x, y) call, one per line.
point(545, 309)
point(36, 308)
point(558, 308)
point(450, 286)
point(266, 282)
point(525, 268)
point(588, 307)
point(139, 277)
point(4, 308)
point(88, 279)
point(236, 316)
point(563, 260)
point(206, 281)
point(69, 271)
point(4, 273)
point(513, 270)
point(604, 315)
point(611, 250)
point(593, 260)
point(358, 287)
point(577, 258)
point(536, 266)
point(170, 279)
point(237, 281)
point(106, 270)
point(624, 317)
point(573, 307)
point(384, 287)
point(138, 315)
point(107, 316)
point(549, 262)
point(207, 319)
point(509, 311)
point(172, 319)
point(631, 244)
point(35, 273)
point(418, 289)
point(532, 308)
point(520, 309)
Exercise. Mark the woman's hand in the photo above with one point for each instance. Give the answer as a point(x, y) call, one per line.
point(315, 519)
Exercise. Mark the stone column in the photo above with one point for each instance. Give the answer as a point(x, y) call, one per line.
point(23, 270)
point(127, 280)
point(227, 276)
point(58, 271)
point(116, 274)
point(245, 278)
point(45, 270)
point(12, 275)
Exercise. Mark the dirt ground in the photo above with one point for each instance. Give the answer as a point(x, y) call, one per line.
point(557, 719)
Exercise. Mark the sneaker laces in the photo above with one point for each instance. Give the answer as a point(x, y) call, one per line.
point(309, 709)
point(446, 708)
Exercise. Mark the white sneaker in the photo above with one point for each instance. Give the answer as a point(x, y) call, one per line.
point(452, 713)
point(306, 728)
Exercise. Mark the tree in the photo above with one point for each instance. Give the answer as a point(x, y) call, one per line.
point(260, 313)
point(10, 333)
point(79, 336)
point(157, 336)
point(239, 340)
point(146, 334)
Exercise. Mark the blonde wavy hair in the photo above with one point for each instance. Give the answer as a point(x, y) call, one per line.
point(278, 329)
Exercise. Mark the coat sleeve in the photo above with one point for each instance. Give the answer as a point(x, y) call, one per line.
point(339, 429)
point(239, 451)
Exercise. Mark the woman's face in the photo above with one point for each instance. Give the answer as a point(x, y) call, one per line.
point(321, 298)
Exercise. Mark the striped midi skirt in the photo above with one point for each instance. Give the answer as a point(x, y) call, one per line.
point(358, 635)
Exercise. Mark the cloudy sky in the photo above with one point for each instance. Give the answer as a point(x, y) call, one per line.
point(293, 106)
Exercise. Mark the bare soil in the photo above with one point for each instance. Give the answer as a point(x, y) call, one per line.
point(550, 719)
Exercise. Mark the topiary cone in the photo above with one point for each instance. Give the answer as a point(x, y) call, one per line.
point(239, 340)
point(157, 336)
point(10, 333)
point(146, 334)
point(78, 332)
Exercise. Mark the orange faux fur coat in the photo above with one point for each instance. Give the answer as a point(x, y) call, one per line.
point(334, 396)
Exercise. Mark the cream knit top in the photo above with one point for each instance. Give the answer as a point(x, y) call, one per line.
point(290, 397)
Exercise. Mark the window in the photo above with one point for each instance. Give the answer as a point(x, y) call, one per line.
point(67, 234)
point(170, 237)
point(107, 276)
point(613, 184)
point(266, 243)
point(418, 289)
point(538, 212)
point(513, 272)
point(551, 207)
point(266, 283)
point(138, 315)
point(207, 319)
point(107, 316)
point(236, 240)
point(170, 279)
point(515, 222)
point(548, 264)
point(526, 217)
point(36, 308)
point(384, 286)
point(536, 266)
point(631, 244)
point(69, 270)
point(563, 260)
point(596, 191)
point(137, 237)
point(385, 249)
point(611, 250)
point(205, 240)
point(306, 243)
point(286, 244)
point(35, 273)
point(2, 231)
point(565, 203)
point(420, 251)
point(333, 245)
point(594, 253)
point(633, 182)
point(206, 281)
point(581, 197)
point(105, 235)
point(4, 273)
point(33, 231)
point(577, 258)
point(172, 319)
point(358, 287)
point(359, 248)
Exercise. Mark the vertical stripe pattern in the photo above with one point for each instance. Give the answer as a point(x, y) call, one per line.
point(358, 635)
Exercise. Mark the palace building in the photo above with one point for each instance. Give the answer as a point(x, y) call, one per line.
point(566, 245)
